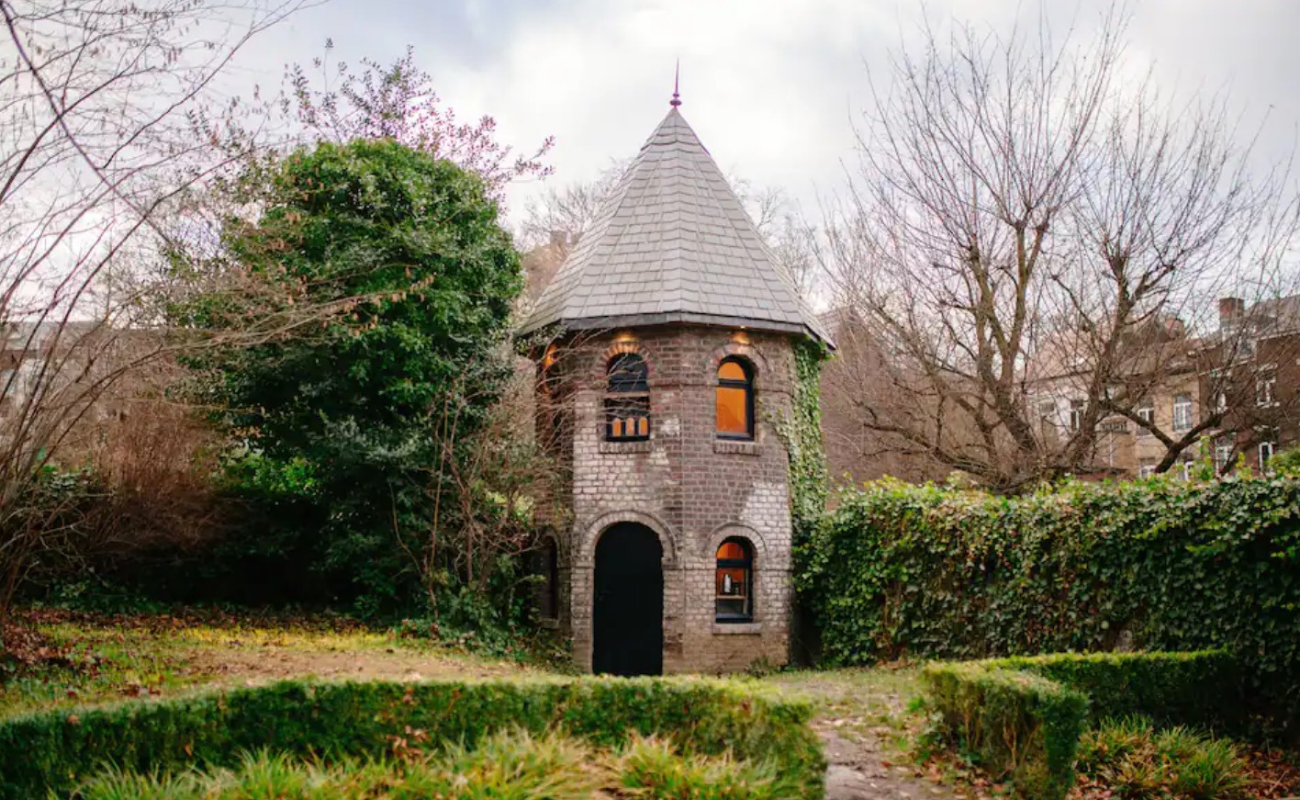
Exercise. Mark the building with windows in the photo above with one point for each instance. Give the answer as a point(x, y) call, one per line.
point(665, 355)
point(1236, 391)
point(1254, 380)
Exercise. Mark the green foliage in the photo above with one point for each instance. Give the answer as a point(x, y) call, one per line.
point(400, 280)
point(1017, 725)
point(1200, 688)
point(1023, 717)
point(505, 765)
point(927, 571)
point(1131, 757)
point(1286, 462)
point(511, 764)
point(333, 721)
point(654, 768)
point(802, 435)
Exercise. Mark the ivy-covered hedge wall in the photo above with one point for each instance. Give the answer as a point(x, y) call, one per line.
point(52, 751)
point(926, 571)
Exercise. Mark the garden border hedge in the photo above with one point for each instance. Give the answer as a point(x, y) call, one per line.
point(1024, 716)
point(902, 571)
point(54, 750)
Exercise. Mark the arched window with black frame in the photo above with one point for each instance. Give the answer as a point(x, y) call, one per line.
point(734, 581)
point(627, 399)
point(735, 399)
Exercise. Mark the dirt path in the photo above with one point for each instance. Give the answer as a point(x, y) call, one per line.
point(861, 720)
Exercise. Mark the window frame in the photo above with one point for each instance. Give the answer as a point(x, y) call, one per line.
point(1266, 390)
point(746, 564)
point(627, 403)
point(1263, 460)
point(1223, 454)
point(1186, 417)
point(747, 385)
point(1146, 413)
point(1077, 409)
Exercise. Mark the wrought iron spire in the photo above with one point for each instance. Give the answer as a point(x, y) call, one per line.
point(677, 74)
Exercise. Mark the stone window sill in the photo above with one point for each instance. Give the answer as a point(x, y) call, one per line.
point(549, 624)
point(737, 448)
point(737, 628)
point(624, 447)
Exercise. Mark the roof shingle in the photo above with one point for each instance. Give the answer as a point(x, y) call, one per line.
point(672, 243)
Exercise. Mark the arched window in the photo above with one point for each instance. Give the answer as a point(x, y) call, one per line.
point(627, 399)
point(735, 395)
point(733, 584)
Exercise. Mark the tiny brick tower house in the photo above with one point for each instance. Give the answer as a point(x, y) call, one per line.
point(665, 350)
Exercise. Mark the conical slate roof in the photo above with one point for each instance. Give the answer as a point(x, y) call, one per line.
point(672, 243)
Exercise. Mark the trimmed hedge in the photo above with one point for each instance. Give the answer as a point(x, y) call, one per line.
point(1024, 716)
point(1202, 689)
point(1023, 726)
point(924, 571)
point(56, 750)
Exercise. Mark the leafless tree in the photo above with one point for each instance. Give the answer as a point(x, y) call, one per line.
point(107, 123)
point(1027, 224)
point(398, 101)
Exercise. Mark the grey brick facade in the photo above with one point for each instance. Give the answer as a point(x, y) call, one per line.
point(691, 488)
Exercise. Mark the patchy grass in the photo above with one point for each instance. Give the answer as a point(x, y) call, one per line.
point(72, 658)
point(858, 703)
point(1134, 759)
point(508, 765)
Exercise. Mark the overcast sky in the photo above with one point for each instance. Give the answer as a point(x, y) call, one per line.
point(771, 86)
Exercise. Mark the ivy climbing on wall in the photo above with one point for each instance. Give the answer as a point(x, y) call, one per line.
point(802, 435)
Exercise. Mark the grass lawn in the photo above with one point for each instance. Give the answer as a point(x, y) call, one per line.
point(78, 658)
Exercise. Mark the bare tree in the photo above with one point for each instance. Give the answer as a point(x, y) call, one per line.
point(105, 127)
point(1028, 228)
point(398, 101)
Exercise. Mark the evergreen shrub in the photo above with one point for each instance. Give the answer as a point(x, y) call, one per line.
point(54, 751)
point(1023, 717)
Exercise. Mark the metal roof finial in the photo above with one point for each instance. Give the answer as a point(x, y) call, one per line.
point(677, 74)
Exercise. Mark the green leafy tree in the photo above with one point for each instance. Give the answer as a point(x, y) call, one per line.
point(362, 410)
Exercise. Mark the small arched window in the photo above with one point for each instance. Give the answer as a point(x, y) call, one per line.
point(735, 397)
point(733, 584)
point(627, 399)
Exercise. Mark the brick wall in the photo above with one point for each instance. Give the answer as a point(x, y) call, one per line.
point(691, 488)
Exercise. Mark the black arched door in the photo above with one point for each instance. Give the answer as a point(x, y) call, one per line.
point(627, 616)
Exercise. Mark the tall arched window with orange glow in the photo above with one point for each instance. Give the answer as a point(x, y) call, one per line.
point(733, 582)
point(735, 398)
point(627, 399)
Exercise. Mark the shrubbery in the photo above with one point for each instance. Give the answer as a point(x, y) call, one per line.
point(511, 764)
point(1020, 725)
point(56, 750)
point(1023, 717)
point(1162, 565)
point(1136, 760)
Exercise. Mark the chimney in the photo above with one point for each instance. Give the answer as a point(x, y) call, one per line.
point(1231, 310)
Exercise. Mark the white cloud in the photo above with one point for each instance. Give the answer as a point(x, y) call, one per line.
point(771, 86)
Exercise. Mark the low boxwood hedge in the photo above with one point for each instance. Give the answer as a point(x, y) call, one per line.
point(53, 751)
point(1022, 726)
point(1023, 716)
point(1203, 689)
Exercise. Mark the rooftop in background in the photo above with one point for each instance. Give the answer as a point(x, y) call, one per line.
point(672, 244)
